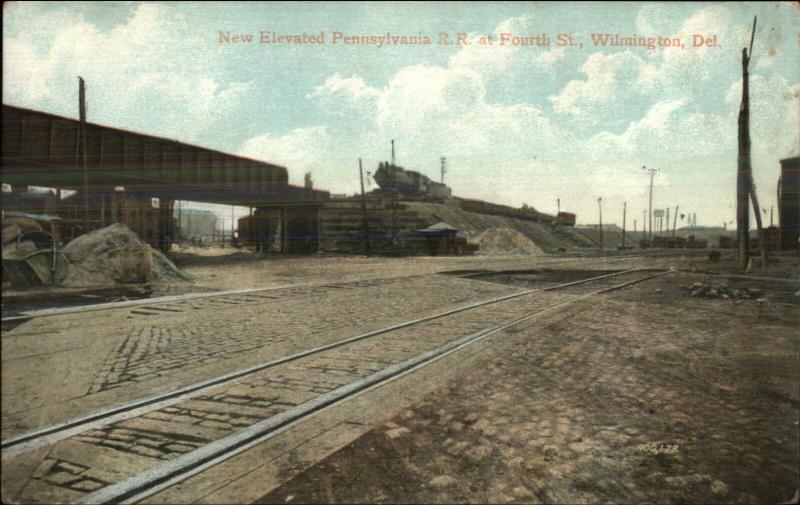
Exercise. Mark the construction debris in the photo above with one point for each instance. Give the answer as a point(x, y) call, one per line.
point(30, 252)
point(722, 291)
point(116, 255)
point(505, 241)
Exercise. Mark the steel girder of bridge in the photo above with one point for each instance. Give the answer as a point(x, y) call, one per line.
point(41, 149)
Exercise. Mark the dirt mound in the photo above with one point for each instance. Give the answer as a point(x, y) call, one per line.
point(505, 241)
point(116, 255)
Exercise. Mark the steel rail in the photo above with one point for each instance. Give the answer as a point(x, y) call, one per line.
point(58, 311)
point(162, 476)
point(11, 446)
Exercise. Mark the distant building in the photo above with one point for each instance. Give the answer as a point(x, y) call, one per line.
point(789, 203)
point(565, 219)
point(197, 223)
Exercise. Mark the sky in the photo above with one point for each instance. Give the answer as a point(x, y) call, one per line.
point(518, 124)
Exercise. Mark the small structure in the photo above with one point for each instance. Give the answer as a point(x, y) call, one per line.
point(565, 219)
point(439, 239)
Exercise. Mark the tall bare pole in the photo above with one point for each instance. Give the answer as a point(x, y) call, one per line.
point(84, 165)
point(600, 206)
point(675, 222)
point(743, 174)
point(180, 220)
point(392, 151)
point(365, 224)
point(652, 172)
point(624, 212)
point(762, 239)
point(443, 161)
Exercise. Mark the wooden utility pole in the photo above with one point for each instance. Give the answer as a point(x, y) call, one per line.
point(675, 222)
point(666, 221)
point(744, 181)
point(84, 165)
point(443, 161)
point(624, 212)
point(600, 206)
point(644, 224)
point(365, 223)
point(652, 172)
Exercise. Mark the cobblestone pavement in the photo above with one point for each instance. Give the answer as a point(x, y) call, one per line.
point(101, 358)
point(69, 468)
point(649, 396)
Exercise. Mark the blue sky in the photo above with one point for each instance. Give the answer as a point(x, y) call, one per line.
point(517, 124)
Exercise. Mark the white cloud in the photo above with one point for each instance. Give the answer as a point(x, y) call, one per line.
point(134, 71)
point(300, 149)
point(505, 62)
point(611, 79)
point(350, 92)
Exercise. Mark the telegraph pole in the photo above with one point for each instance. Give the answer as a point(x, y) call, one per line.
point(743, 173)
point(82, 130)
point(675, 222)
point(600, 206)
point(558, 203)
point(392, 151)
point(624, 211)
point(443, 161)
point(652, 172)
point(365, 224)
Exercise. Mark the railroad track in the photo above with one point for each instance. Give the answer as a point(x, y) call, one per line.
point(192, 301)
point(167, 438)
point(182, 303)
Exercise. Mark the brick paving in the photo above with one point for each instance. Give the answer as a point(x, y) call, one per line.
point(175, 341)
point(166, 343)
point(645, 397)
point(591, 363)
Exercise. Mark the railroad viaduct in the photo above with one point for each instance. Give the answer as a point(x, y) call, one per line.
point(115, 175)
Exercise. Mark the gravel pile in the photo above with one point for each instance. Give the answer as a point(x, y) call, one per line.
point(722, 291)
point(116, 255)
point(505, 241)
